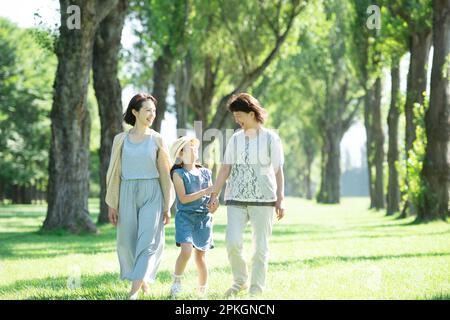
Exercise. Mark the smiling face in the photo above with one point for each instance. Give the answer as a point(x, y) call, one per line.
point(244, 119)
point(146, 113)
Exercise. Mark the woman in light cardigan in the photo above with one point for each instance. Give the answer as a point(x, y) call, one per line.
point(139, 194)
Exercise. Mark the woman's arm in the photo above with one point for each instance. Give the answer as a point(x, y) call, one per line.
point(181, 192)
point(212, 208)
point(279, 175)
point(223, 175)
point(163, 163)
point(164, 177)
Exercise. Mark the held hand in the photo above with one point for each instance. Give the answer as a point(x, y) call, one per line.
point(279, 209)
point(213, 203)
point(209, 190)
point(113, 216)
point(166, 219)
point(213, 206)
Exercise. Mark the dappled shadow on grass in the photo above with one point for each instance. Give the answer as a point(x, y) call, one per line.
point(443, 296)
point(37, 244)
point(375, 236)
point(397, 221)
point(299, 229)
point(22, 215)
point(20, 245)
point(107, 286)
point(104, 286)
point(326, 260)
point(281, 234)
point(42, 244)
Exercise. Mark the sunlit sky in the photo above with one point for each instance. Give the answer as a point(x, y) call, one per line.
point(22, 12)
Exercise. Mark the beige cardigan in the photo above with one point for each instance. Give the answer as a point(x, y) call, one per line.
point(113, 176)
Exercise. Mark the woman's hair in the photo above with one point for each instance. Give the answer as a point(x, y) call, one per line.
point(247, 103)
point(136, 104)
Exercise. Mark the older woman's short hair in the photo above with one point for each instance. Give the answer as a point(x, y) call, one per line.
point(247, 103)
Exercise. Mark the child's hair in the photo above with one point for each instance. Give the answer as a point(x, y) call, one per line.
point(179, 166)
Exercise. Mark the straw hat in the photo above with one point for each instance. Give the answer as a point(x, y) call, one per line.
point(179, 144)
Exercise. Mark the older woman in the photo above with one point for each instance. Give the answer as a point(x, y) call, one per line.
point(139, 194)
point(253, 162)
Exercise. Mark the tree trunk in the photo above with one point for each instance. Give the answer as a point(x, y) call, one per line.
point(183, 82)
point(15, 194)
point(33, 193)
point(108, 90)
point(161, 77)
point(436, 166)
point(329, 191)
point(27, 194)
point(378, 139)
point(201, 97)
point(68, 186)
point(374, 144)
point(420, 44)
point(308, 187)
point(368, 102)
point(393, 196)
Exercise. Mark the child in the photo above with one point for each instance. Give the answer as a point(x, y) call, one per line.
point(193, 219)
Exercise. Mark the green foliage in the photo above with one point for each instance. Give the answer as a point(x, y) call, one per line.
point(45, 39)
point(298, 90)
point(233, 37)
point(94, 168)
point(415, 189)
point(45, 36)
point(161, 27)
point(163, 23)
point(416, 14)
point(25, 100)
point(393, 37)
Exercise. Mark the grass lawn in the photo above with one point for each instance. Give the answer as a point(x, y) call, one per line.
point(317, 252)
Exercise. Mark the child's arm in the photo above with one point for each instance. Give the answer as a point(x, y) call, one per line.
point(212, 206)
point(181, 191)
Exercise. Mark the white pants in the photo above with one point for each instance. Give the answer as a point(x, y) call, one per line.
point(261, 219)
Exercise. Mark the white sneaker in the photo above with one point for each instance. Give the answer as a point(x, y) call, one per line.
point(134, 296)
point(176, 289)
point(203, 291)
point(235, 289)
point(254, 291)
